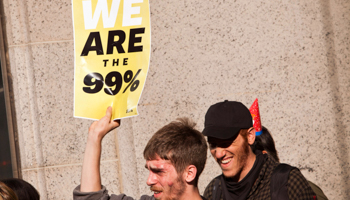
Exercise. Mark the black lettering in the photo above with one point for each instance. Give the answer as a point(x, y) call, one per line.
point(105, 61)
point(133, 39)
point(118, 44)
point(125, 61)
point(88, 45)
point(115, 62)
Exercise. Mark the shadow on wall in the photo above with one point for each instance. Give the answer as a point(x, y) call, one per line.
point(338, 106)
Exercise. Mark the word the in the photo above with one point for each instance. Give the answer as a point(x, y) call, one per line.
point(115, 62)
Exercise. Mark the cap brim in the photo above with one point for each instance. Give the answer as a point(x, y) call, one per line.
point(221, 132)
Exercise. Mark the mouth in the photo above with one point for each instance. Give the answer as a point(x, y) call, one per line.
point(225, 161)
point(156, 193)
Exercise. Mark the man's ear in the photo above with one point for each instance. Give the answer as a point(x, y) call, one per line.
point(190, 173)
point(251, 135)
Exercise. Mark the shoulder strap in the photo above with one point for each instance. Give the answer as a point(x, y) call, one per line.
point(279, 182)
point(216, 190)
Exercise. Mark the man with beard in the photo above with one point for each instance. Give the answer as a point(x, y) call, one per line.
point(246, 174)
point(175, 157)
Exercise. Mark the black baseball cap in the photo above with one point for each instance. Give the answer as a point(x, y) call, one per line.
point(224, 120)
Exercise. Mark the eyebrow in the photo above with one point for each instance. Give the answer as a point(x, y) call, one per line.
point(155, 169)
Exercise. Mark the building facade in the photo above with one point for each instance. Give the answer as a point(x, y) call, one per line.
point(293, 56)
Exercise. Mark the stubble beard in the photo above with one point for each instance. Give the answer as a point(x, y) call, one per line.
point(178, 190)
point(242, 162)
point(244, 157)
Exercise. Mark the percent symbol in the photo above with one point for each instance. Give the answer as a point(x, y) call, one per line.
point(134, 84)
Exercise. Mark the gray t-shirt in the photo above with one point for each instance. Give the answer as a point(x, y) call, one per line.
point(103, 195)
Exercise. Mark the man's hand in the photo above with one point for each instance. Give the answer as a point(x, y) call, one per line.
point(100, 128)
point(90, 176)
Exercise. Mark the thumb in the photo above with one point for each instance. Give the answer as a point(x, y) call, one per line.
point(109, 112)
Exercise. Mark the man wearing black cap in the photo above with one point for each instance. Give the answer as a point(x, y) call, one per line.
point(246, 173)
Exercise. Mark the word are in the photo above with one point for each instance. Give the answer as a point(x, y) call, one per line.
point(95, 37)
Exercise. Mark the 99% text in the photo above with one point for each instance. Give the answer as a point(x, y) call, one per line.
point(113, 79)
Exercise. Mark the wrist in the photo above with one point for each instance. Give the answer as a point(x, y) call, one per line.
point(94, 139)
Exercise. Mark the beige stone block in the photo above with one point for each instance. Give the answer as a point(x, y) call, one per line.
point(37, 178)
point(49, 20)
point(38, 21)
point(29, 140)
point(61, 180)
point(128, 164)
point(58, 182)
point(16, 22)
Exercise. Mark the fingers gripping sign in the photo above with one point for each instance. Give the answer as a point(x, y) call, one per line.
point(101, 127)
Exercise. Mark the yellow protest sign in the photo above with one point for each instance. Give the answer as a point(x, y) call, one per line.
point(112, 41)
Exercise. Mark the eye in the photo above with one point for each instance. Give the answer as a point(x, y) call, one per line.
point(212, 145)
point(227, 144)
point(157, 171)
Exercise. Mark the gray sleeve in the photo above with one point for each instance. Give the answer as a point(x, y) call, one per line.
point(103, 195)
point(146, 197)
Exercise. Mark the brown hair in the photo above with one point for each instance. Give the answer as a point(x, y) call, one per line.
point(181, 144)
point(7, 193)
point(244, 134)
point(23, 189)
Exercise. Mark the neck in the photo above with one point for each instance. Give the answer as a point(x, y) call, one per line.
point(191, 192)
point(248, 166)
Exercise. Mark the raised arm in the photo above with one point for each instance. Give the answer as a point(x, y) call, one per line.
point(90, 176)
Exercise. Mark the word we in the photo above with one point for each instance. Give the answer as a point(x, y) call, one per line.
point(109, 17)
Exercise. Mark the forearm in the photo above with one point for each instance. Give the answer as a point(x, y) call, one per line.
point(90, 177)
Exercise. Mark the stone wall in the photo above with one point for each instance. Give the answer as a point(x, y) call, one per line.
point(292, 55)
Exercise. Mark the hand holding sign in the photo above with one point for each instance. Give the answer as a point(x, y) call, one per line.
point(100, 128)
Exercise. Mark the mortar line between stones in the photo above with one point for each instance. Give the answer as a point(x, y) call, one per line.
point(34, 43)
point(67, 165)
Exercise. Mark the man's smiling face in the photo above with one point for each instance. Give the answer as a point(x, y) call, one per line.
point(231, 155)
point(164, 180)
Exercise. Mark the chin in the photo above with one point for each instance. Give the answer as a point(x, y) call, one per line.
point(229, 174)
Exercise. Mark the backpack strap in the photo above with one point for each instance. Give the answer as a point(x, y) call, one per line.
point(279, 182)
point(216, 190)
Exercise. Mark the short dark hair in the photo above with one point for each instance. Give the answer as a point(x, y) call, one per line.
point(265, 142)
point(23, 189)
point(181, 144)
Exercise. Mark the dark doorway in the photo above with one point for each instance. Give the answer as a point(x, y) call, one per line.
point(5, 149)
point(9, 150)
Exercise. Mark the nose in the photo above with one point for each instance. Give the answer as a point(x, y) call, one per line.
point(151, 180)
point(218, 153)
